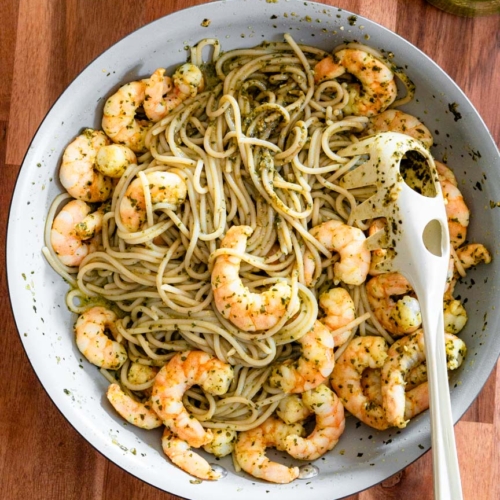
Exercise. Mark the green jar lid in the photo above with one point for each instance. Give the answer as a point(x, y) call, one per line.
point(468, 8)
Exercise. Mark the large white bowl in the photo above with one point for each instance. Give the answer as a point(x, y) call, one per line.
point(364, 456)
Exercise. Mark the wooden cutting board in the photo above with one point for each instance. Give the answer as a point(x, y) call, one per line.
point(44, 44)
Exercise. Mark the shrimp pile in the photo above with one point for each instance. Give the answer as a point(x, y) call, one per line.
point(221, 284)
point(387, 386)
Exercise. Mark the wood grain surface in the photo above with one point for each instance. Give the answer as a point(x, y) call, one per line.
point(44, 44)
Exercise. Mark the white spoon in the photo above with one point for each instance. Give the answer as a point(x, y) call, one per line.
point(417, 243)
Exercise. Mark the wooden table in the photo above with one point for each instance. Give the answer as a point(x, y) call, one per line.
point(44, 44)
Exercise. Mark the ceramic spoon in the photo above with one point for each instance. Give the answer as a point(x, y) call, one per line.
point(416, 237)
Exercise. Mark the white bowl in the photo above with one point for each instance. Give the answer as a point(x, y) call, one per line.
point(37, 293)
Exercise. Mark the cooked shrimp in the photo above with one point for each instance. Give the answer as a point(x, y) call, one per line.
point(156, 87)
point(398, 317)
point(140, 374)
point(73, 233)
point(113, 160)
point(339, 311)
point(455, 315)
point(450, 278)
point(292, 409)
point(92, 341)
point(312, 368)
point(371, 385)
point(134, 412)
point(378, 255)
point(250, 450)
point(378, 88)
point(361, 353)
point(222, 444)
point(78, 174)
point(248, 311)
point(330, 424)
point(416, 377)
point(404, 316)
point(416, 398)
point(403, 356)
point(457, 213)
point(417, 388)
point(164, 187)
point(182, 372)
point(469, 256)
point(310, 269)
point(393, 120)
point(349, 242)
point(161, 98)
point(371, 381)
point(456, 210)
point(445, 173)
point(91, 225)
point(456, 351)
point(119, 121)
point(473, 254)
point(181, 455)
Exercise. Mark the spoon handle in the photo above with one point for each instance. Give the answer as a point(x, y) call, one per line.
point(446, 472)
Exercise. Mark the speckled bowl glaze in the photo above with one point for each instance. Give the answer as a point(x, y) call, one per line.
point(364, 456)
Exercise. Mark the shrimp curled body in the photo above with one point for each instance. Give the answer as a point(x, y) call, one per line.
point(404, 356)
point(454, 315)
point(250, 450)
point(349, 242)
point(312, 368)
point(393, 120)
point(398, 317)
point(248, 311)
point(456, 209)
point(134, 412)
point(164, 187)
point(471, 255)
point(339, 311)
point(361, 353)
point(182, 372)
point(378, 88)
point(92, 341)
point(330, 424)
point(119, 120)
point(74, 232)
point(161, 98)
point(416, 397)
point(78, 173)
point(180, 453)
